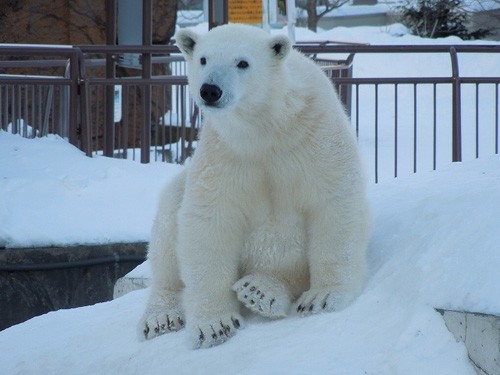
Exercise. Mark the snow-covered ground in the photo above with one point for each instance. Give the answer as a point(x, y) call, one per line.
point(435, 244)
point(52, 194)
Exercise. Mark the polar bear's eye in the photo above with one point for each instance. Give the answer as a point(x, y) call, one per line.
point(242, 64)
point(203, 61)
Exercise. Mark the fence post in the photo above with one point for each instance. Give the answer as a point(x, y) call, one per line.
point(109, 115)
point(456, 108)
point(83, 105)
point(147, 40)
point(74, 67)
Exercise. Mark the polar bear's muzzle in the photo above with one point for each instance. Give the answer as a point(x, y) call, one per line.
point(210, 94)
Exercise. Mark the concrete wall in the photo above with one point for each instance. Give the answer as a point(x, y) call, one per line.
point(481, 335)
point(36, 281)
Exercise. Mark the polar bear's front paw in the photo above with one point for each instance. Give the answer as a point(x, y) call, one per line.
point(162, 315)
point(216, 332)
point(263, 295)
point(156, 324)
point(322, 300)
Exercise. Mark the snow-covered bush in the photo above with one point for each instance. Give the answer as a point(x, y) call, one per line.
point(438, 19)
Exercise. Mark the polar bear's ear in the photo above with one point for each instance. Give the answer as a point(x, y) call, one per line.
point(186, 40)
point(280, 46)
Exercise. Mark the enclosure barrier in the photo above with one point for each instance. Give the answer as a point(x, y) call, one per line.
point(107, 109)
point(49, 103)
point(157, 118)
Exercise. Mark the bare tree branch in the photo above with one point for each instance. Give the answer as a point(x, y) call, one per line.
point(311, 7)
point(331, 6)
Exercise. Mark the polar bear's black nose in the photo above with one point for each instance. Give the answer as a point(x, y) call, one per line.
point(210, 93)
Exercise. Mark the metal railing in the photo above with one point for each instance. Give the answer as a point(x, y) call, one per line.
point(454, 83)
point(158, 120)
point(42, 102)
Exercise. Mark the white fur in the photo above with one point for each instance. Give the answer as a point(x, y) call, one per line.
point(272, 203)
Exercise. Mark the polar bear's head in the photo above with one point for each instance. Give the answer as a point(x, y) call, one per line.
point(232, 66)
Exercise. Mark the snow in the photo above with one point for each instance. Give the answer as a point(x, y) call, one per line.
point(190, 17)
point(52, 194)
point(435, 245)
point(353, 10)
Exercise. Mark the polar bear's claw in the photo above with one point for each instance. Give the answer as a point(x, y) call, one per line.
point(264, 295)
point(216, 333)
point(163, 315)
point(322, 300)
point(158, 324)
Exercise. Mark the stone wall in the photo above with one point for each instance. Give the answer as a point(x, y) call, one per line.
point(83, 22)
point(53, 21)
point(72, 22)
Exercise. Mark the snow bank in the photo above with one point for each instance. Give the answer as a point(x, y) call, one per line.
point(52, 194)
point(435, 244)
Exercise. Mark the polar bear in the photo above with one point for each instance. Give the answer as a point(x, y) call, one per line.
point(271, 210)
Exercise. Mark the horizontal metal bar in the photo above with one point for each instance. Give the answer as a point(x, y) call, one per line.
point(32, 63)
point(34, 80)
point(427, 48)
point(105, 49)
point(306, 48)
point(310, 48)
point(14, 64)
point(32, 49)
point(182, 80)
point(129, 81)
point(414, 80)
point(467, 80)
point(392, 80)
point(154, 60)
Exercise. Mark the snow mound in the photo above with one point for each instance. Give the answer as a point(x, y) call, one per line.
point(53, 195)
point(435, 244)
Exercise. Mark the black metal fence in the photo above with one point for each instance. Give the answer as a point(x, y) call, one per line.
point(404, 123)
